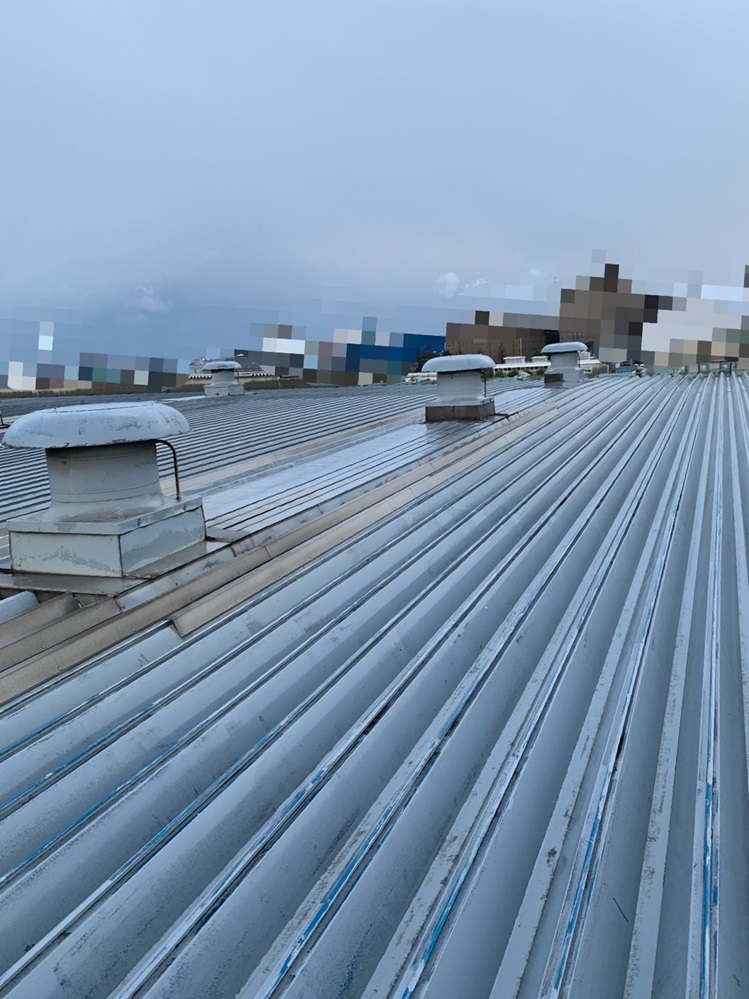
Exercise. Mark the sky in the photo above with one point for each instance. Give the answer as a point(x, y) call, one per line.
point(404, 152)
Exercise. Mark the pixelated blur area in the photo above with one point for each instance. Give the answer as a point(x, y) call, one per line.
point(619, 319)
point(67, 353)
point(697, 323)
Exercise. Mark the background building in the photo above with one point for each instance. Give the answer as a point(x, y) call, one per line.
point(62, 349)
point(502, 334)
point(342, 343)
point(607, 314)
point(619, 322)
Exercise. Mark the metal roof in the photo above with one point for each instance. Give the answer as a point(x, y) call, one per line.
point(251, 428)
point(489, 740)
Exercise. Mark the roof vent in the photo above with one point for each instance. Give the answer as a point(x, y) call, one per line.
point(223, 378)
point(107, 515)
point(564, 363)
point(461, 388)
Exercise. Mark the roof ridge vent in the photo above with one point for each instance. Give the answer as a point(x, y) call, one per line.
point(224, 379)
point(107, 514)
point(564, 367)
point(461, 387)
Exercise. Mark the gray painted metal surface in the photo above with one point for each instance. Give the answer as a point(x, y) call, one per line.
point(459, 362)
point(107, 514)
point(268, 500)
point(223, 378)
point(235, 430)
point(95, 425)
point(495, 745)
point(568, 347)
point(17, 604)
point(212, 366)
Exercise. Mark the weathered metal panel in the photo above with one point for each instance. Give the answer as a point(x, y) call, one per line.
point(495, 745)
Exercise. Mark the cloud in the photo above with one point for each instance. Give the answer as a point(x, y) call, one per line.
point(143, 302)
point(448, 284)
point(146, 300)
point(195, 173)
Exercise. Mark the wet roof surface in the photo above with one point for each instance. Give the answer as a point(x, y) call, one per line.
point(492, 742)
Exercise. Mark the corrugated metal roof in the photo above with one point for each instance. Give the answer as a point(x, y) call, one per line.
point(245, 429)
point(493, 744)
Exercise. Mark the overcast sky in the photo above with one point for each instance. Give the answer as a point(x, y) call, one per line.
point(400, 149)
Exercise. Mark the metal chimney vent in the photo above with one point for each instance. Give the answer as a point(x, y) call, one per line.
point(564, 363)
point(223, 378)
point(461, 388)
point(107, 514)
